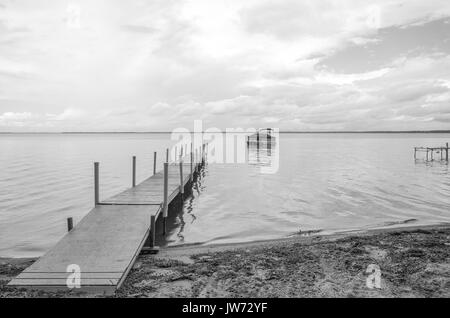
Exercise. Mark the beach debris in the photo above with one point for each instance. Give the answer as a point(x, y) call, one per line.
point(307, 232)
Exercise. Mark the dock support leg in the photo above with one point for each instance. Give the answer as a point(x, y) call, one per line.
point(152, 231)
point(69, 224)
point(192, 166)
point(151, 248)
point(133, 183)
point(154, 162)
point(96, 184)
point(181, 178)
point(195, 160)
point(446, 153)
point(166, 196)
point(203, 154)
point(167, 155)
point(257, 143)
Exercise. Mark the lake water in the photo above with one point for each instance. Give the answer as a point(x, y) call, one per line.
point(326, 182)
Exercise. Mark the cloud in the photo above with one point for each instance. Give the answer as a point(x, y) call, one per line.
point(69, 114)
point(345, 79)
point(141, 65)
point(12, 68)
point(10, 116)
point(138, 28)
point(390, 43)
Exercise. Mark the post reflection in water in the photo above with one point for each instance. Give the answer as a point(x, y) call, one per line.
point(182, 211)
point(263, 153)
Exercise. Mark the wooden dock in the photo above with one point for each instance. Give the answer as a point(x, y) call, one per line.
point(106, 242)
point(431, 153)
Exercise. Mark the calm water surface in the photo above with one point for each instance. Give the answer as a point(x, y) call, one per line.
point(327, 182)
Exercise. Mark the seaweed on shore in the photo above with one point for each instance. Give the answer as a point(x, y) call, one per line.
point(413, 263)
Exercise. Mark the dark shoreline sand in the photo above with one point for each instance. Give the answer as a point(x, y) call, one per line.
point(414, 262)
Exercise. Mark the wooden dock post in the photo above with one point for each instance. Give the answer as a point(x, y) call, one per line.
point(154, 162)
point(96, 184)
point(152, 231)
point(69, 224)
point(134, 172)
point(195, 160)
point(167, 155)
point(446, 153)
point(203, 154)
point(192, 166)
point(257, 143)
point(166, 196)
point(181, 177)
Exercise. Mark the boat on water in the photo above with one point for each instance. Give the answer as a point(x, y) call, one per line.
point(263, 137)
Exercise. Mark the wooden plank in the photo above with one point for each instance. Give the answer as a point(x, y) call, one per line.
point(103, 236)
point(107, 287)
point(150, 191)
point(107, 240)
point(54, 275)
point(62, 282)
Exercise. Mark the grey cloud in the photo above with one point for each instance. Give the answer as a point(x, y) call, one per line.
point(134, 28)
point(391, 43)
point(176, 43)
point(444, 118)
point(412, 91)
point(292, 19)
point(5, 29)
point(407, 98)
point(17, 75)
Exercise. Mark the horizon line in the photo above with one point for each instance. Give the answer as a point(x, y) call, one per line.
point(281, 132)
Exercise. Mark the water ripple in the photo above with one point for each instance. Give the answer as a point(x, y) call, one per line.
point(327, 182)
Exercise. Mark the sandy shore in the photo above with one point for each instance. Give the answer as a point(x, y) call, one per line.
point(414, 262)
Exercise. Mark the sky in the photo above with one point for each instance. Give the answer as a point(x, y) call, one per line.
point(137, 65)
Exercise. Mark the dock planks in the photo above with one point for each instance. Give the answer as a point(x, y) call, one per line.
point(107, 241)
point(150, 190)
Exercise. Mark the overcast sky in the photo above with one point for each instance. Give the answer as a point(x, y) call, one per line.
point(137, 65)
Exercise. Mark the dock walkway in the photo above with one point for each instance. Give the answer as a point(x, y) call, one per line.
point(106, 242)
